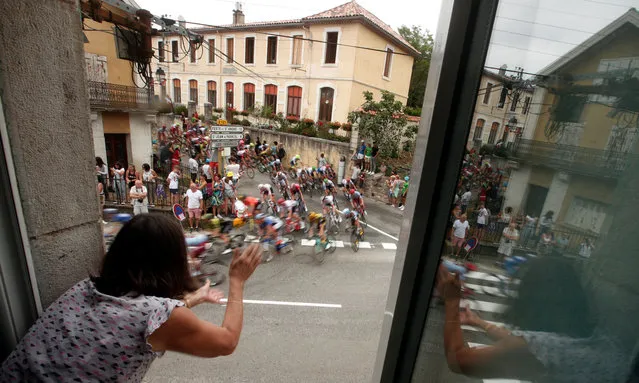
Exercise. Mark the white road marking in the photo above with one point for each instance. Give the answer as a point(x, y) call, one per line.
point(484, 306)
point(285, 303)
point(365, 245)
point(495, 291)
point(382, 232)
point(477, 329)
point(308, 242)
point(339, 244)
point(389, 246)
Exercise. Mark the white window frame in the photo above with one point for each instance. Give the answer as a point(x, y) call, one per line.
point(302, 102)
point(339, 39)
point(226, 48)
point(493, 85)
point(277, 51)
point(255, 103)
point(390, 66)
point(254, 36)
point(181, 90)
point(319, 97)
point(178, 52)
point(290, 59)
point(215, 57)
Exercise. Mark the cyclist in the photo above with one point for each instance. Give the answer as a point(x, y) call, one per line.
point(303, 174)
point(296, 160)
point(253, 204)
point(297, 195)
point(268, 227)
point(357, 201)
point(318, 220)
point(240, 145)
point(290, 208)
point(328, 204)
point(277, 165)
point(282, 180)
point(347, 184)
point(353, 217)
point(329, 187)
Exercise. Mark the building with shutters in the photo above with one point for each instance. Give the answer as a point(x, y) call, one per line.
point(308, 68)
point(501, 110)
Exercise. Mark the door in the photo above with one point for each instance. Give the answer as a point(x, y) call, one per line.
point(536, 199)
point(326, 104)
point(116, 149)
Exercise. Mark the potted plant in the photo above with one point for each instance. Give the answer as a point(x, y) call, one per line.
point(218, 110)
point(244, 113)
point(292, 119)
point(347, 127)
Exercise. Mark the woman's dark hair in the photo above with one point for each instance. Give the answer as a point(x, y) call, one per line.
point(146, 167)
point(549, 214)
point(98, 161)
point(551, 298)
point(508, 209)
point(148, 256)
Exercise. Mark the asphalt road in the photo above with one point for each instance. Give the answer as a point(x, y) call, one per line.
point(308, 322)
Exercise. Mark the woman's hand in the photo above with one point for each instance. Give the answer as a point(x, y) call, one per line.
point(469, 317)
point(202, 295)
point(245, 262)
point(448, 285)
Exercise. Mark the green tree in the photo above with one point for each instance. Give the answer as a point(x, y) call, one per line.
point(421, 40)
point(382, 121)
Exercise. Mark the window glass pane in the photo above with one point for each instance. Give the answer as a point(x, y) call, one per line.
point(249, 54)
point(542, 229)
point(229, 51)
point(271, 53)
point(211, 50)
point(174, 51)
point(160, 51)
point(297, 50)
point(387, 63)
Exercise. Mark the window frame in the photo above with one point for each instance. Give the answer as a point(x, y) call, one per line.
point(325, 48)
point(301, 42)
point(514, 101)
point(230, 58)
point(197, 96)
point(388, 62)
point(501, 104)
point(177, 94)
point(492, 135)
point(192, 52)
point(266, 95)
point(270, 38)
point(209, 99)
point(244, 95)
point(456, 69)
point(487, 91)
point(246, 38)
point(212, 51)
point(288, 100)
point(175, 51)
point(526, 107)
point(319, 101)
point(226, 94)
point(161, 51)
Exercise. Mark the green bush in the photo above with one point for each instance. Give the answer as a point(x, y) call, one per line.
point(245, 123)
point(179, 109)
point(487, 150)
point(413, 111)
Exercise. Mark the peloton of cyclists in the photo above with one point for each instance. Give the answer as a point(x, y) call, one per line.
point(347, 184)
point(353, 217)
point(318, 221)
point(357, 201)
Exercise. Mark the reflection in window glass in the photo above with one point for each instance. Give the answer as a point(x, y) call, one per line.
point(543, 228)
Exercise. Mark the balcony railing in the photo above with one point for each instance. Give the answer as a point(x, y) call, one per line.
point(119, 97)
point(572, 159)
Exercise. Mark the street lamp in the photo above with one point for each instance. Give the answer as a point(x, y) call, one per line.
point(160, 76)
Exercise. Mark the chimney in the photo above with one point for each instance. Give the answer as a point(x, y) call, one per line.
point(502, 70)
point(238, 15)
point(182, 21)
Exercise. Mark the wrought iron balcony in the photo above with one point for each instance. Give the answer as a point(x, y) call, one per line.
point(119, 97)
point(572, 159)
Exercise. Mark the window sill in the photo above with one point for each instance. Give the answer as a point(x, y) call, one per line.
point(386, 78)
point(296, 66)
point(249, 64)
point(330, 65)
point(271, 65)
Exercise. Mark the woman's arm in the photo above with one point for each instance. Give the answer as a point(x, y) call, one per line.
point(185, 332)
point(508, 358)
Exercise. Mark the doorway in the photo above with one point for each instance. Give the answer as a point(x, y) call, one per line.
point(116, 149)
point(326, 104)
point(535, 200)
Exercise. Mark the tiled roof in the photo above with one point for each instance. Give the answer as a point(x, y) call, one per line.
point(353, 9)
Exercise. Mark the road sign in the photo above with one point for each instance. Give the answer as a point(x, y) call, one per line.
point(223, 143)
point(226, 136)
point(227, 129)
point(178, 212)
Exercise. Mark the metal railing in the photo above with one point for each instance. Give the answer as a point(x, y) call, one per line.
point(572, 159)
point(104, 95)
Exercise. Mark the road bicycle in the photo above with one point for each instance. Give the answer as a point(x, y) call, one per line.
point(208, 256)
point(333, 222)
point(280, 246)
point(322, 248)
point(357, 234)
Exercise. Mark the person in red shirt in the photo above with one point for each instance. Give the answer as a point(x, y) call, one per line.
point(175, 156)
point(253, 203)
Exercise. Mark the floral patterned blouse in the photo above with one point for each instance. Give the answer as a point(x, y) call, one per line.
point(88, 336)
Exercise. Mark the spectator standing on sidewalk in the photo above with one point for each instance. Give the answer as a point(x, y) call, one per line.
point(118, 177)
point(509, 237)
point(390, 184)
point(193, 168)
point(139, 198)
point(102, 171)
point(148, 177)
point(460, 230)
point(131, 175)
point(360, 154)
point(195, 204)
point(321, 161)
point(465, 200)
point(403, 192)
point(281, 153)
point(374, 154)
point(138, 307)
point(174, 183)
point(368, 156)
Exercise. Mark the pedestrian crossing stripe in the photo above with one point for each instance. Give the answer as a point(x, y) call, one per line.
point(477, 329)
point(479, 345)
point(484, 306)
point(338, 244)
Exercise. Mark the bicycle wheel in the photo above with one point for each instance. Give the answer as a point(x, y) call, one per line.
point(331, 240)
point(354, 241)
point(362, 220)
point(237, 240)
point(318, 253)
point(261, 168)
point(292, 173)
point(250, 172)
point(333, 226)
